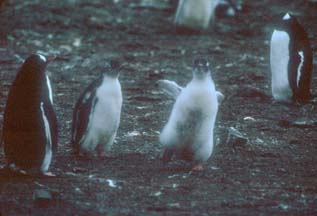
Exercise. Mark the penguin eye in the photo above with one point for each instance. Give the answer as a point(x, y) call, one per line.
point(114, 64)
point(201, 62)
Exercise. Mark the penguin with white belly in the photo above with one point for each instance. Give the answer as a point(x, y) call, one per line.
point(96, 115)
point(291, 62)
point(189, 132)
point(30, 126)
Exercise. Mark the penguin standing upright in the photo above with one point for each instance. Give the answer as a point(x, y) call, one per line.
point(195, 14)
point(291, 61)
point(189, 131)
point(96, 115)
point(30, 126)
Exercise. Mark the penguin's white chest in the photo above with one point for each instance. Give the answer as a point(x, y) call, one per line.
point(48, 142)
point(195, 13)
point(192, 120)
point(106, 115)
point(279, 60)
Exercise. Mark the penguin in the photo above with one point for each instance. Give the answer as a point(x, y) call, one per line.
point(30, 129)
point(188, 133)
point(195, 14)
point(96, 115)
point(290, 61)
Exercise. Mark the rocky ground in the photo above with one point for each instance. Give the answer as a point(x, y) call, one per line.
point(271, 170)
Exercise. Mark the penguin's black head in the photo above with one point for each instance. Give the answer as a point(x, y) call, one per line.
point(201, 67)
point(286, 22)
point(36, 63)
point(112, 68)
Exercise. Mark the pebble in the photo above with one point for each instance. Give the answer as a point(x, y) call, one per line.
point(42, 197)
point(236, 138)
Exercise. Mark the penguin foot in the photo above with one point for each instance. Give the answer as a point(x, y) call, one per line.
point(49, 174)
point(103, 154)
point(198, 167)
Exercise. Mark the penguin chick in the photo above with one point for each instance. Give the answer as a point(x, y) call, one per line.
point(195, 14)
point(190, 129)
point(96, 115)
point(30, 126)
point(291, 61)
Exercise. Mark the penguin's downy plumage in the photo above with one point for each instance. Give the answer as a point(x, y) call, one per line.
point(30, 126)
point(195, 14)
point(291, 61)
point(96, 115)
point(188, 133)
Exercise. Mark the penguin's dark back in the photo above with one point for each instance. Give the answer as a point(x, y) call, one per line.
point(26, 93)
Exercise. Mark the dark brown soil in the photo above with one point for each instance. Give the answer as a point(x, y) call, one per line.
point(274, 173)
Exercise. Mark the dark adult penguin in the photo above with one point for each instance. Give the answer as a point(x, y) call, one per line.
point(291, 61)
point(189, 133)
point(97, 113)
point(30, 128)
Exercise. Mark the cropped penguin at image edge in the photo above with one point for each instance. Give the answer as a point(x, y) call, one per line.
point(290, 61)
point(96, 115)
point(195, 15)
point(30, 129)
point(189, 132)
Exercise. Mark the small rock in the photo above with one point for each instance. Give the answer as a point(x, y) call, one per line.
point(236, 138)
point(174, 205)
point(42, 197)
point(111, 183)
point(79, 170)
point(248, 118)
point(156, 194)
point(301, 123)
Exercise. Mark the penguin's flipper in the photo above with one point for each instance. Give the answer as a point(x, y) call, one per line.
point(170, 88)
point(82, 113)
point(81, 119)
point(301, 80)
point(50, 114)
point(220, 97)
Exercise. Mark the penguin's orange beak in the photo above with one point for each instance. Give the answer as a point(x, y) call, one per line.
point(50, 58)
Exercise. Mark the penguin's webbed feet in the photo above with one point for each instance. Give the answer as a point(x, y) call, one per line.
point(198, 167)
point(103, 154)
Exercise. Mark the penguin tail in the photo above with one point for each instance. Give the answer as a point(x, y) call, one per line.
point(75, 148)
point(304, 98)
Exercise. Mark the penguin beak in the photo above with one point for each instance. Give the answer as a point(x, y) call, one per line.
point(50, 59)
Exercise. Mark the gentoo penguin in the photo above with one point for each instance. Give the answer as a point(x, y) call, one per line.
point(97, 112)
point(195, 14)
point(30, 126)
point(188, 133)
point(291, 61)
